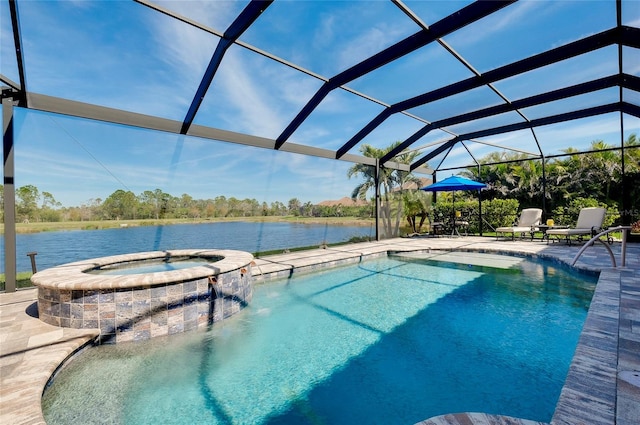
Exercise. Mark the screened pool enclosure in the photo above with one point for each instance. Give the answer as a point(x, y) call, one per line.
point(275, 100)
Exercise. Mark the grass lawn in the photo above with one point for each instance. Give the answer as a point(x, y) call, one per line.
point(23, 280)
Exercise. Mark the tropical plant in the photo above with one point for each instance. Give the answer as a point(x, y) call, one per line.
point(500, 212)
point(416, 204)
point(528, 181)
point(597, 174)
point(496, 172)
point(391, 184)
point(294, 206)
point(569, 214)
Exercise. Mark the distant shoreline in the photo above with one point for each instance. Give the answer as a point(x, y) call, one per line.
point(113, 224)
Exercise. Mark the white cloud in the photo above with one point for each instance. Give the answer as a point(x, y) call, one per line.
point(215, 14)
point(325, 32)
point(185, 49)
point(363, 46)
point(635, 22)
point(516, 12)
point(580, 133)
point(248, 95)
point(497, 22)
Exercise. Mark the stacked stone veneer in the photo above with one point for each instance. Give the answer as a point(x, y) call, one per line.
point(138, 307)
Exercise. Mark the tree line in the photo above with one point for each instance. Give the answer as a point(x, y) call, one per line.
point(33, 205)
point(567, 181)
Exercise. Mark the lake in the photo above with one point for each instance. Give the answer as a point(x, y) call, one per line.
point(55, 248)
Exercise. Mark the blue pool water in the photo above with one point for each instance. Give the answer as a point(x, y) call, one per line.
point(387, 341)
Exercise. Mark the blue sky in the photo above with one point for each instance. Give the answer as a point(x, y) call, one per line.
point(122, 54)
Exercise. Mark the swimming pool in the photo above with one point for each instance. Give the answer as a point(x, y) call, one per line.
point(389, 341)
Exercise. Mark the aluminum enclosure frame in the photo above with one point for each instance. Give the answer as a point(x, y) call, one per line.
point(17, 94)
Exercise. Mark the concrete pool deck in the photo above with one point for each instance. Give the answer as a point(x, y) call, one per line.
point(602, 386)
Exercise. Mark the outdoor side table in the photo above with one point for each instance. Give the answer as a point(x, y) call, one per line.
point(543, 228)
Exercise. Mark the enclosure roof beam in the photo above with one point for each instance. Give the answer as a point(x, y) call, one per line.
point(451, 23)
point(626, 80)
point(408, 142)
point(554, 119)
point(630, 82)
point(570, 50)
point(630, 36)
point(250, 13)
point(116, 116)
point(437, 151)
point(17, 42)
point(576, 48)
point(9, 82)
point(460, 59)
point(630, 109)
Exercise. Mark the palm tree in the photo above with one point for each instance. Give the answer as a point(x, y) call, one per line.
point(632, 154)
point(497, 175)
point(416, 204)
point(528, 177)
point(588, 175)
point(391, 183)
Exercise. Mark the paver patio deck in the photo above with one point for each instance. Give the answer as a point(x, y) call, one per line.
point(602, 386)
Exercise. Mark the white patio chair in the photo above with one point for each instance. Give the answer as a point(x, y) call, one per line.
point(529, 219)
point(589, 223)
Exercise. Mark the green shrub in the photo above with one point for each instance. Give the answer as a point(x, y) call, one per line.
point(495, 213)
point(569, 215)
point(500, 212)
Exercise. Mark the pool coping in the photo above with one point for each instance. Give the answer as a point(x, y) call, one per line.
point(75, 276)
point(595, 391)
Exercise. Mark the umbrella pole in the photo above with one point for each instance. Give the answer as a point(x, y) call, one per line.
point(453, 213)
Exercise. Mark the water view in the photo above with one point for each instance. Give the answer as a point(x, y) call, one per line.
point(55, 248)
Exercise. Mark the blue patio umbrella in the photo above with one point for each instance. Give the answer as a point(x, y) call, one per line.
point(451, 184)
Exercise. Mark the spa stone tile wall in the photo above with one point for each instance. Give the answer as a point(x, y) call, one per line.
point(139, 313)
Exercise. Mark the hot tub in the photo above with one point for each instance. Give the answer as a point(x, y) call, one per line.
point(128, 301)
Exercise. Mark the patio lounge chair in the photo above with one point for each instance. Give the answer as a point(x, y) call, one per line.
point(529, 219)
point(589, 223)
